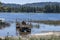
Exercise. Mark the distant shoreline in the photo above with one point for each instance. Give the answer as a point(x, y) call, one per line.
point(42, 7)
point(29, 12)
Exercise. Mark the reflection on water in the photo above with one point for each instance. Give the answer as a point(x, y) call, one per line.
point(42, 27)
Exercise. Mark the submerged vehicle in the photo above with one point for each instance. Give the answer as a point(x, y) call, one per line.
point(23, 28)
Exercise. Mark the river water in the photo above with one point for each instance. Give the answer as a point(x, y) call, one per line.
point(11, 30)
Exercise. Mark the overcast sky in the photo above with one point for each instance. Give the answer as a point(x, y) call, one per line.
point(27, 1)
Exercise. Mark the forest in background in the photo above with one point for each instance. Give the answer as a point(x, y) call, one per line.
point(47, 8)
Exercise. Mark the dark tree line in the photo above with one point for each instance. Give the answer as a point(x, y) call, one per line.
point(52, 9)
point(46, 9)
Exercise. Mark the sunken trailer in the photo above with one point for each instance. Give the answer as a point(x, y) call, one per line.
point(23, 28)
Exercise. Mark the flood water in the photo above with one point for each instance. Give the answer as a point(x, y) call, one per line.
point(11, 30)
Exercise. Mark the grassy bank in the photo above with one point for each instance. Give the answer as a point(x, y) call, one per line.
point(45, 38)
point(52, 37)
point(50, 22)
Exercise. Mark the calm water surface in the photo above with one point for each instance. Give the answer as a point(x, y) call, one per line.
point(24, 16)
